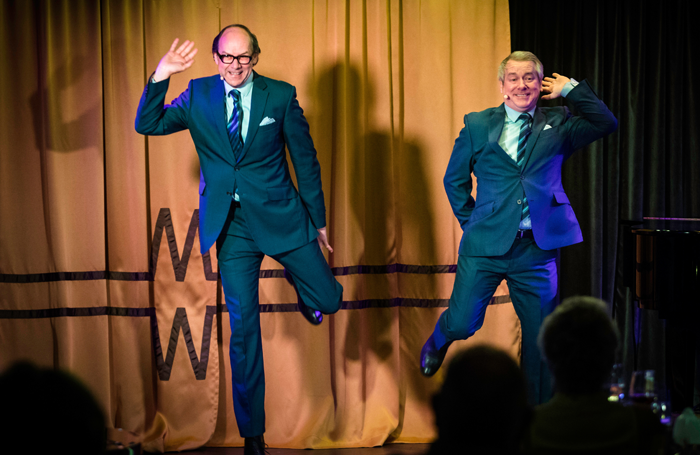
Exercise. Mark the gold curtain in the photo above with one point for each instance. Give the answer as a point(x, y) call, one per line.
point(100, 269)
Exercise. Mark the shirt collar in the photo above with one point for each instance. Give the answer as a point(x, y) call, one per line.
point(245, 89)
point(513, 114)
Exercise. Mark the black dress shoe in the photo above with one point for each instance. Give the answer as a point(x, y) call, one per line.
point(254, 446)
point(315, 317)
point(431, 357)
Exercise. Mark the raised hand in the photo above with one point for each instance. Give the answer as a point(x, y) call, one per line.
point(176, 60)
point(553, 86)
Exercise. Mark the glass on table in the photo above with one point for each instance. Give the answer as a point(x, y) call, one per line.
point(643, 387)
point(617, 383)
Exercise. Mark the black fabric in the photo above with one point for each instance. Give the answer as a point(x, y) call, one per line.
point(637, 56)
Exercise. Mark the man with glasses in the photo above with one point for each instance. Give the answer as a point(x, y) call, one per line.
point(240, 123)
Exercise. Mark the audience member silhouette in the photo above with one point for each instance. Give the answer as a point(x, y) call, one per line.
point(46, 411)
point(482, 406)
point(579, 341)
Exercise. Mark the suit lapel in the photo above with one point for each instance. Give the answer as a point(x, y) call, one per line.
point(257, 108)
point(217, 108)
point(538, 124)
point(498, 119)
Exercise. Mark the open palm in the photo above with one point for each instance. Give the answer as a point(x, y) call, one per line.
point(176, 60)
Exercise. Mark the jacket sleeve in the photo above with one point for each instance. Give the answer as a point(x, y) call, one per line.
point(593, 120)
point(303, 155)
point(156, 119)
point(458, 177)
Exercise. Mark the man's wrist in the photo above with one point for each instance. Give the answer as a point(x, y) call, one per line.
point(569, 86)
point(158, 77)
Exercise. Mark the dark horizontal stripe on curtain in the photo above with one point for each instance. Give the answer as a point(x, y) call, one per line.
point(273, 273)
point(72, 312)
point(74, 276)
point(264, 308)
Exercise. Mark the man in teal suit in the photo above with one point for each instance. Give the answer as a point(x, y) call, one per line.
point(240, 123)
point(522, 215)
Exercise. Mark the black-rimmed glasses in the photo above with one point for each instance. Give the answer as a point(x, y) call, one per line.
point(228, 59)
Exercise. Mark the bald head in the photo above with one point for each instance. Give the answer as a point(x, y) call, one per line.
point(254, 46)
point(235, 50)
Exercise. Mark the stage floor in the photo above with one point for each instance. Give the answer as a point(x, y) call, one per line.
point(389, 449)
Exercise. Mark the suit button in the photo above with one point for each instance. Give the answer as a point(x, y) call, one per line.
point(519, 202)
point(522, 177)
point(235, 168)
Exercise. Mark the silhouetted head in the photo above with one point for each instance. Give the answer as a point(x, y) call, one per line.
point(48, 411)
point(579, 341)
point(482, 403)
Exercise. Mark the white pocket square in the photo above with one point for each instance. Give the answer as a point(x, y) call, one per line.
point(267, 121)
point(546, 127)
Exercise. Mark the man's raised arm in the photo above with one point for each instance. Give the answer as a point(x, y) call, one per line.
point(151, 116)
point(175, 60)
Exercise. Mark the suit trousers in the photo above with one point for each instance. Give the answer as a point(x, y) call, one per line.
point(531, 274)
point(239, 264)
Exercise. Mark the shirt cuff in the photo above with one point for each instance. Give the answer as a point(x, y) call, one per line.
point(568, 87)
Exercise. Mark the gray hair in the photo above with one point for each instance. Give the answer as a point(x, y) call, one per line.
point(521, 56)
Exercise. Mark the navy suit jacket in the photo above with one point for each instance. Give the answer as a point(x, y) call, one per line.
point(280, 217)
point(491, 221)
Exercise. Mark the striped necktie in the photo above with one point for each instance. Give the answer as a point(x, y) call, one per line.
point(525, 131)
point(234, 124)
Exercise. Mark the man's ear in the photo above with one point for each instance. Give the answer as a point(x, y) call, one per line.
point(255, 60)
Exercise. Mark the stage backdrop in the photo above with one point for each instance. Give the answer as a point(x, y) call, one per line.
point(100, 268)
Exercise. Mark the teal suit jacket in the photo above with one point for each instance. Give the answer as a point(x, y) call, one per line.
point(495, 214)
point(280, 217)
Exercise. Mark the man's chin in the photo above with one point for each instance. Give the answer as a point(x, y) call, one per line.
point(526, 106)
point(234, 82)
point(237, 80)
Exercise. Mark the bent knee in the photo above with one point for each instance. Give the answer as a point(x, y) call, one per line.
point(334, 302)
point(458, 331)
